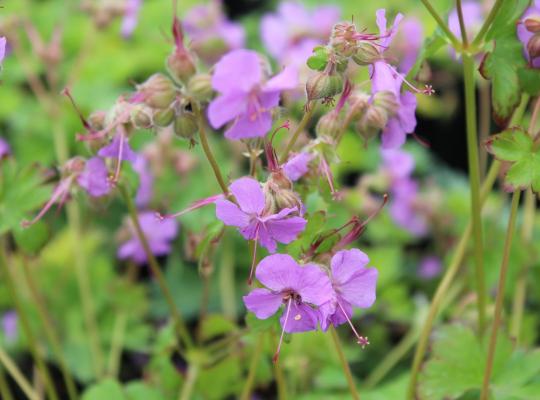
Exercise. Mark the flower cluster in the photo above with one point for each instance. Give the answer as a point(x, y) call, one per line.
point(313, 295)
point(528, 31)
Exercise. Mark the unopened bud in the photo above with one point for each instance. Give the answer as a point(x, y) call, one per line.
point(98, 120)
point(342, 39)
point(200, 87)
point(158, 91)
point(532, 24)
point(181, 65)
point(323, 85)
point(141, 117)
point(387, 101)
point(533, 46)
point(74, 165)
point(366, 53)
point(329, 125)
point(358, 102)
point(373, 121)
point(185, 125)
point(277, 198)
point(164, 117)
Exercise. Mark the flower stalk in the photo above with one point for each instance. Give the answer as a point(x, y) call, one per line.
point(310, 109)
point(344, 364)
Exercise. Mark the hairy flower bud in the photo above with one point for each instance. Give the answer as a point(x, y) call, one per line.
point(323, 85)
point(158, 91)
point(329, 124)
point(366, 53)
point(278, 196)
point(343, 39)
point(98, 120)
point(181, 65)
point(200, 87)
point(374, 119)
point(141, 117)
point(533, 46)
point(358, 102)
point(387, 101)
point(532, 24)
point(163, 117)
point(185, 125)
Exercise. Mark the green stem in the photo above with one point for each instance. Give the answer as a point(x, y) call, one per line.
point(17, 375)
point(208, 152)
point(453, 39)
point(462, 27)
point(299, 129)
point(344, 364)
point(117, 341)
point(189, 384)
point(250, 380)
point(278, 373)
point(500, 295)
point(474, 178)
point(25, 324)
point(5, 391)
point(444, 285)
point(50, 333)
point(485, 122)
point(487, 23)
point(180, 326)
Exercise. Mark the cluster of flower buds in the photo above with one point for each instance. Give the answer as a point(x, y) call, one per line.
point(529, 33)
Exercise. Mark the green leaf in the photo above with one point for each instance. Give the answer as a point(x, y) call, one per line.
point(319, 59)
point(529, 79)
point(142, 391)
point(517, 148)
point(107, 389)
point(33, 238)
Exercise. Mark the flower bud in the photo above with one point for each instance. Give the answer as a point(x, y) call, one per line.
point(141, 117)
point(329, 124)
point(387, 101)
point(373, 121)
point(532, 24)
point(366, 53)
point(358, 102)
point(342, 39)
point(158, 91)
point(163, 117)
point(185, 125)
point(533, 46)
point(200, 87)
point(74, 166)
point(98, 120)
point(181, 65)
point(277, 197)
point(323, 85)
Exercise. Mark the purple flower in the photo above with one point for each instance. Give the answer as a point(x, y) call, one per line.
point(397, 163)
point(526, 36)
point(146, 181)
point(3, 43)
point(245, 98)
point(404, 210)
point(95, 178)
point(131, 17)
point(212, 35)
point(430, 267)
point(299, 288)
point(472, 17)
point(297, 166)
point(353, 284)
point(407, 43)
point(9, 325)
point(5, 149)
point(287, 30)
point(386, 78)
point(118, 148)
point(159, 233)
point(252, 221)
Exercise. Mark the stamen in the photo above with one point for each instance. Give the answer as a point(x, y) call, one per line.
point(276, 355)
point(59, 192)
point(428, 89)
point(361, 340)
point(329, 177)
point(195, 205)
point(120, 154)
point(254, 257)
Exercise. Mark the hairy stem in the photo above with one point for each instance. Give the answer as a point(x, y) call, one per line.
point(500, 295)
point(299, 129)
point(474, 179)
point(344, 364)
point(250, 380)
point(487, 23)
point(49, 331)
point(25, 325)
point(179, 323)
point(208, 152)
point(444, 27)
